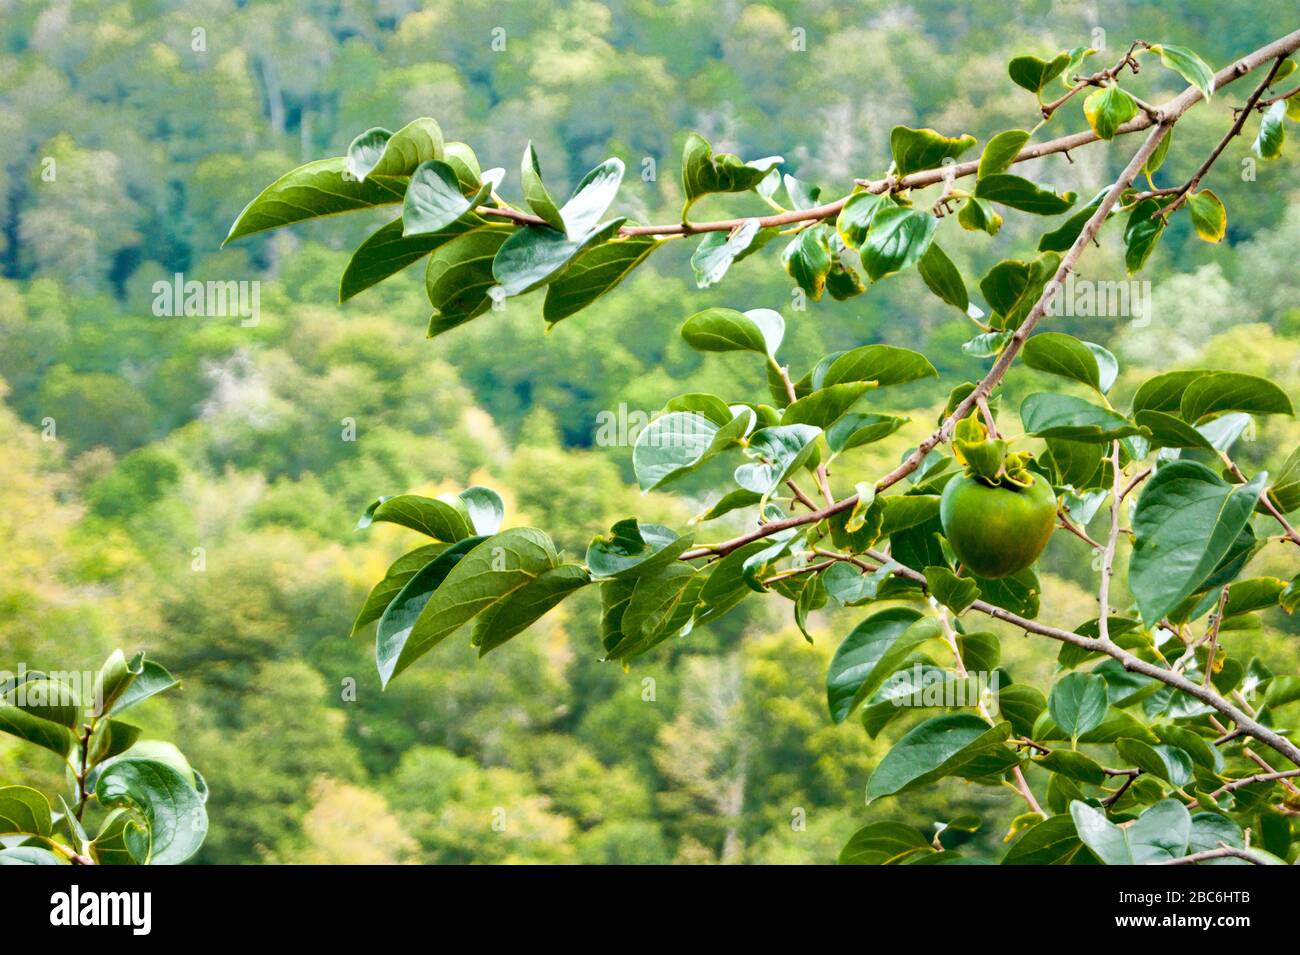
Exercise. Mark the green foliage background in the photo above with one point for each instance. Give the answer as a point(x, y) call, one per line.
point(178, 433)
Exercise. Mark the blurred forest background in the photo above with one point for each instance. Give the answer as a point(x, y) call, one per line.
point(176, 433)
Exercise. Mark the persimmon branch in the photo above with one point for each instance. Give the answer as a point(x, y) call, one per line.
point(1233, 132)
point(1223, 852)
point(1173, 111)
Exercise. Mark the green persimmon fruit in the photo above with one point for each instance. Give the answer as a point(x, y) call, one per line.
point(997, 531)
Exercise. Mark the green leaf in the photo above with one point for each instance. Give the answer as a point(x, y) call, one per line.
point(1063, 236)
point(1019, 193)
point(461, 158)
point(28, 855)
point(1164, 762)
point(489, 573)
point(898, 238)
point(433, 200)
point(854, 430)
point(591, 199)
point(937, 748)
point(1187, 520)
point(854, 220)
point(1108, 109)
point(1159, 834)
point(1209, 218)
point(942, 278)
point(24, 811)
point(1031, 73)
point(978, 215)
point(381, 153)
point(704, 173)
point(717, 251)
point(675, 444)
point(1078, 703)
point(955, 593)
point(824, 407)
point(319, 188)
point(593, 273)
point(874, 650)
point(1064, 355)
point(1272, 131)
point(438, 519)
point(113, 844)
point(660, 605)
point(1012, 287)
point(535, 194)
point(1053, 841)
point(1168, 431)
point(884, 843)
point(170, 806)
point(152, 679)
point(387, 251)
point(40, 732)
point(535, 255)
point(459, 277)
point(527, 605)
point(725, 329)
point(1285, 489)
point(1001, 152)
point(1165, 392)
point(781, 450)
point(1225, 391)
point(915, 150)
point(1187, 65)
point(1021, 706)
point(1142, 234)
point(1073, 765)
point(1211, 830)
point(807, 259)
point(632, 549)
point(884, 364)
point(1051, 415)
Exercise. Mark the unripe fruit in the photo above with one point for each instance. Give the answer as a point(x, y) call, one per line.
point(997, 531)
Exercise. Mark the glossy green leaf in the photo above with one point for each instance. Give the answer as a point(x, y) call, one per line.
point(854, 220)
point(1187, 65)
point(675, 444)
point(1209, 218)
point(1159, 834)
point(633, 549)
point(28, 855)
point(1053, 841)
point(854, 430)
point(937, 748)
point(1012, 287)
point(1108, 109)
point(824, 407)
point(898, 238)
point(527, 605)
point(459, 279)
point(1187, 520)
point(718, 251)
point(978, 215)
point(884, 364)
point(1272, 131)
point(1162, 761)
point(1001, 151)
point(1051, 415)
point(1226, 391)
point(884, 843)
point(955, 593)
point(433, 199)
point(1064, 355)
point(437, 519)
point(1142, 234)
point(807, 259)
point(489, 573)
point(170, 806)
point(593, 273)
point(725, 329)
point(1078, 703)
point(915, 150)
point(704, 173)
point(942, 278)
point(1032, 73)
point(871, 653)
point(780, 450)
point(320, 188)
point(591, 199)
point(1019, 193)
point(535, 193)
point(24, 810)
point(387, 252)
point(535, 255)
point(381, 153)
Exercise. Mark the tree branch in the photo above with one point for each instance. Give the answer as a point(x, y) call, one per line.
point(1220, 853)
point(1173, 111)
